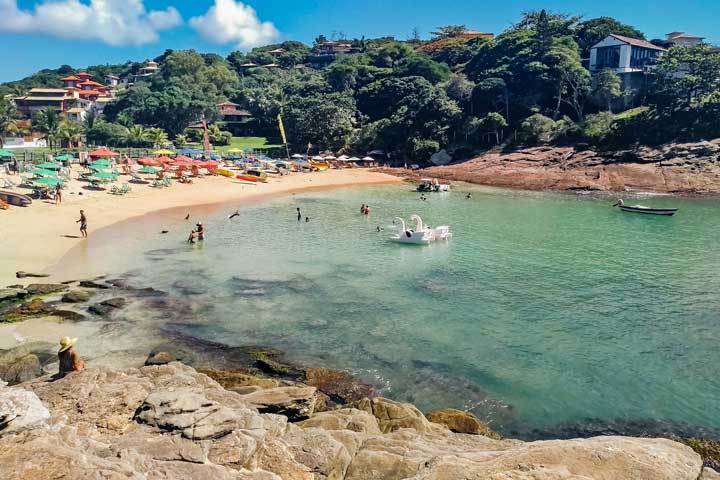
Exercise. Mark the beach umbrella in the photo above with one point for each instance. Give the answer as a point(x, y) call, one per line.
point(4, 152)
point(102, 152)
point(44, 172)
point(353, 159)
point(182, 159)
point(149, 169)
point(48, 181)
point(189, 151)
point(65, 158)
point(297, 155)
point(49, 166)
point(101, 161)
point(235, 150)
point(317, 157)
point(210, 164)
point(104, 176)
point(163, 152)
point(368, 159)
point(149, 161)
point(330, 157)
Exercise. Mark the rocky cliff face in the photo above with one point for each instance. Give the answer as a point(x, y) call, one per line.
point(674, 168)
point(172, 422)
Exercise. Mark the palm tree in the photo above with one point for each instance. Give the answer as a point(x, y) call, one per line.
point(70, 132)
point(181, 140)
point(8, 118)
point(124, 119)
point(90, 117)
point(157, 136)
point(136, 135)
point(47, 121)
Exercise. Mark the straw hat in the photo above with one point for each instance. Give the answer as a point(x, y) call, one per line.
point(67, 342)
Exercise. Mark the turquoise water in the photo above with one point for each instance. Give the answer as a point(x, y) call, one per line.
point(544, 309)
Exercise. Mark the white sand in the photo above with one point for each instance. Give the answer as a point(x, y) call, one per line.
point(35, 238)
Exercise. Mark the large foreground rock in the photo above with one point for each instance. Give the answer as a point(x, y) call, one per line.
point(20, 410)
point(461, 422)
point(171, 422)
point(296, 403)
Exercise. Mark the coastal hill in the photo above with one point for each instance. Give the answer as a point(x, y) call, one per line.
point(170, 421)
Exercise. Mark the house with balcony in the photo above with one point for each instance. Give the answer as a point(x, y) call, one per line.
point(234, 119)
point(682, 39)
point(148, 70)
point(37, 99)
point(630, 58)
point(324, 53)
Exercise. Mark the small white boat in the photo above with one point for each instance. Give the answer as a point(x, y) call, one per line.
point(432, 185)
point(421, 234)
point(646, 210)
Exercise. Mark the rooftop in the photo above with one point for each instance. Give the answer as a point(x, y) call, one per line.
point(636, 42)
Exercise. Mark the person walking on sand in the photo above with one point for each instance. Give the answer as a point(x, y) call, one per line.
point(299, 214)
point(58, 194)
point(83, 224)
point(68, 359)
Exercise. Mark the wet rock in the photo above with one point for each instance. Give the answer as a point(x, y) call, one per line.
point(10, 294)
point(106, 307)
point(318, 450)
point(461, 422)
point(344, 419)
point(77, 296)
point(167, 353)
point(392, 415)
point(189, 413)
point(237, 379)
point(32, 308)
point(20, 410)
point(273, 367)
point(93, 284)
point(21, 369)
point(189, 288)
point(341, 387)
point(69, 315)
point(16, 286)
point(147, 292)
point(45, 288)
point(708, 449)
point(295, 403)
point(30, 275)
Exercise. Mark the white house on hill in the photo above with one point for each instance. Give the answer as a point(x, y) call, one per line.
point(623, 55)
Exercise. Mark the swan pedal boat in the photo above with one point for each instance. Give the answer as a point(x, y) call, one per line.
point(421, 234)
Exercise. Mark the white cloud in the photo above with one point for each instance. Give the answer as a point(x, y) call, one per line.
point(115, 22)
point(228, 21)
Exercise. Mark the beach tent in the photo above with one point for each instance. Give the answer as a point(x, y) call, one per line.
point(149, 169)
point(49, 166)
point(163, 152)
point(102, 152)
point(4, 152)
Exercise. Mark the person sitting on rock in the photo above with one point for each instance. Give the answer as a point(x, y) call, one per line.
point(68, 358)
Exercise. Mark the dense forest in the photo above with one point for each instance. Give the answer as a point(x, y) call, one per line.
point(411, 98)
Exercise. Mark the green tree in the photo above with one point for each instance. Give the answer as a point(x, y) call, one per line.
point(47, 122)
point(608, 88)
point(571, 79)
point(157, 136)
point(124, 119)
point(592, 31)
point(492, 123)
point(181, 140)
point(597, 127)
point(69, 133)
point(8, 118)
point(327, 120)
point(448, 31)
point(106, 133)
point(423, 66)
point(136, 135)
point(536, 128)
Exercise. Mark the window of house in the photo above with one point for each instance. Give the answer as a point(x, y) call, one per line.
point(607, 57)
point(640, 57)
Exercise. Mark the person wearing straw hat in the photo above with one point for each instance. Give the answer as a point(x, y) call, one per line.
point(68, 358)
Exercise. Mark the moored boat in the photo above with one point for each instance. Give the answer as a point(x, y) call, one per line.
point(432, 185)
point(253, 176)
point(646, 210)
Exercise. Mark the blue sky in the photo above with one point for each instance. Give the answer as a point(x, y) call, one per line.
point(37, 34)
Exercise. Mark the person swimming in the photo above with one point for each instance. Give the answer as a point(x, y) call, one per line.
point(236, 214)
point(468, 196)
point(299, 214)
point(200, 231)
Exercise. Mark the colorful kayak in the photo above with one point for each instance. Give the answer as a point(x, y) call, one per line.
point(16, 199)
point(319, 166)
point(225, 173)
point(249, 178)
point(3, 205)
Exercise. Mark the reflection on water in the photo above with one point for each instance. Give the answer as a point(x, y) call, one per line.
point(544, 310)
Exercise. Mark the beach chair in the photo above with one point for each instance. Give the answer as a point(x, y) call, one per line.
point(114, 190)
point(157, 184)
point(7, 183)
point(166, 181)
point(125, 188)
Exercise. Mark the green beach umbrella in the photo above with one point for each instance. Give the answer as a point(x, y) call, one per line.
point(149, 170)
point(104, 176)
point(48, 181)
point(101, 163)
point(65, 158)
point(4, 152)
point(49, 166)
point(43, 172)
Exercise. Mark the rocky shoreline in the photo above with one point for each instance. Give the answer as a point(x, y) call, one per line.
point(688, 168)
point(245, 412)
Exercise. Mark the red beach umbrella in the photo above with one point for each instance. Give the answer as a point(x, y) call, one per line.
point(102, 152)
point(164, 159)
point(149, 162)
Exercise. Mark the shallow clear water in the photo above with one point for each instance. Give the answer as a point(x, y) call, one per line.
point(544, 308)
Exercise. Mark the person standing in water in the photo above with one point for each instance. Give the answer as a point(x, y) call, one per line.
point(200, 231)
point(362, 208)
point(83, 224)
point(299, 214)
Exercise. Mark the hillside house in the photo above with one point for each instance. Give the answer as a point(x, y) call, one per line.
point(324, 53)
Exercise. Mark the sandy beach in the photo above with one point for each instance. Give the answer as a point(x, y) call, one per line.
point(36, 237)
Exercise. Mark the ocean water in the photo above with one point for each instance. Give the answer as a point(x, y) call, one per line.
point(545, 312)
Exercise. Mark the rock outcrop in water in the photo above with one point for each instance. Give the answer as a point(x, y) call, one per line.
point(172, 422)
point(674, 168)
